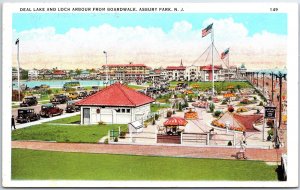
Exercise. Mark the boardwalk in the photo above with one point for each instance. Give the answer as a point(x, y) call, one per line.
point(267, 155)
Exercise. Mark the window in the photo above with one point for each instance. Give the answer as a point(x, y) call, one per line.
point(127, 110)
point(123, 110)
point(118, 110)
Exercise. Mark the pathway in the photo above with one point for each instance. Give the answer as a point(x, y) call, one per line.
point(267, 155)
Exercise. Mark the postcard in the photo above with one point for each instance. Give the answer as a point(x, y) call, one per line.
point(150, 95)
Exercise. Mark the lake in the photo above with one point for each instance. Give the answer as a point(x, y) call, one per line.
point(59, 83)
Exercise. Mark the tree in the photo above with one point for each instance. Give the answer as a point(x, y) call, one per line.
point(211, 107)
point(78, 71)
point(24, 75)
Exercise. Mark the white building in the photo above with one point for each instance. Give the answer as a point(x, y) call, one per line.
point(33, 74)
point(192, 73)
point(116, 104)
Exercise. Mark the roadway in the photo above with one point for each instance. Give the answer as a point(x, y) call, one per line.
point(37, 110)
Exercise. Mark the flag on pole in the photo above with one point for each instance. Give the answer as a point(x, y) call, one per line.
point(17, 42)
point(225, 53)
point(207, 30)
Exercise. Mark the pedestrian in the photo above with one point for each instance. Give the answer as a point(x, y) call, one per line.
point(13, 124)
point(278, 97)
point(242, 151)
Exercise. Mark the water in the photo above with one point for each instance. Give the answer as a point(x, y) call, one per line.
point(59, 83)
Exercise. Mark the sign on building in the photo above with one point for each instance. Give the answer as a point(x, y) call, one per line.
point(270, 112)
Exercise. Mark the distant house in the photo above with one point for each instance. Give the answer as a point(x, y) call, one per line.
point(59, 74)
point(84, 74)
point(33, 74)
point(116, 104)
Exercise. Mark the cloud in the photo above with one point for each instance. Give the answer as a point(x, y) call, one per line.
point(80, 48)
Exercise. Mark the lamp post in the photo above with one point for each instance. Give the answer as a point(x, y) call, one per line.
point(106, 82)
point(272, 75)
point(279, 76)
point(263, 74)
point(256, 79)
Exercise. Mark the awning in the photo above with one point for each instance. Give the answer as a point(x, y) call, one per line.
point(136, 124)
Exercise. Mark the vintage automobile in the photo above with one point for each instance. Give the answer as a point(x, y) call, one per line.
point(71, 107)
point(49, 110)
point(27, 115)
point(59, 99)
point(82, 94)
point(95, 87)
point(29, 101)
point(91, 92)
point(73, 95)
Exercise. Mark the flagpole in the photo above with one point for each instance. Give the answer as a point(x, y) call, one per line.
point(19, 88)
point(212, 59)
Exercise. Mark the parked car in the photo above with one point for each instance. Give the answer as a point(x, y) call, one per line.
point(95, 87)
point(29, 101)
point(71, 107)
point(49, 110)
point(59, 99)
point(73, 95)
point(82, 94)
point(27, 115)
point(91, 92)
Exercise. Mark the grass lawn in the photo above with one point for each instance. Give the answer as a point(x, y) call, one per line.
point(68, 120)
point(46, 165)
point(156, 107)
point(65, 133)
point(135, 87)
point(218, 85)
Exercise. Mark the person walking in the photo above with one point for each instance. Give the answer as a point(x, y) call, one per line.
point(13, 124)
point(242, 151)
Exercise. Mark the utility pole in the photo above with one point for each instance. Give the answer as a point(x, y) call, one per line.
point(18, 58)
point(106, 82)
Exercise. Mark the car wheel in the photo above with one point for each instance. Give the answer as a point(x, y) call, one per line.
point(27, 120)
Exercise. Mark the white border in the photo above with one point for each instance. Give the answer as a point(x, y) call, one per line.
point(292, 59)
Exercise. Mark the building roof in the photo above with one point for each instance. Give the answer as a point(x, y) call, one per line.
point(126, 65)
point(175, 68)
point(209, 67)
point(58, 72)
point(116, 95)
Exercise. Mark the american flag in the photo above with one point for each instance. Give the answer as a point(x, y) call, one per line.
point(207, 30)
point(225, 53)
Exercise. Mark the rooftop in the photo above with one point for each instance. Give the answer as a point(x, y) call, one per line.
point(116, 95)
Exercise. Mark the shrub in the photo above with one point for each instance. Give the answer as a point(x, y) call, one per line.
point(116, 139)
point(101, 123)
point(106, 141)
point(15, 95)
point(169, 113)
point(229, 143)
point(224, 102)
point(217, 113)
point(180, 106)
point(260, 103)
point(254, 97)
point(270, 132)
point(211, 107)
point(190, 97)
point(156, 116)
point(230, 108)
point(210, 98)
point(186, 104)
point(122, 135)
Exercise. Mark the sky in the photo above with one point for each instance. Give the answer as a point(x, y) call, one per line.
point(70, 41)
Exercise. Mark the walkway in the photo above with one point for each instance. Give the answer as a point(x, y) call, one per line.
point(268, 155)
